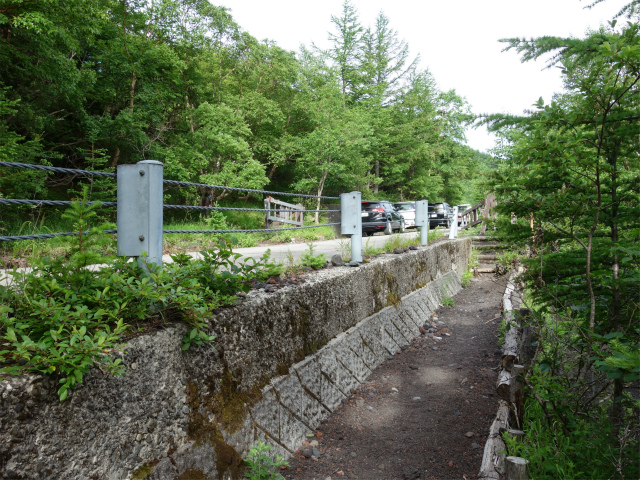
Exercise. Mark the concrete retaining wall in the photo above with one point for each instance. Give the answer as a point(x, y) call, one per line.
point(280, 364)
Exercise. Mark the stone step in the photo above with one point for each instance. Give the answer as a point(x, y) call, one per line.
point(488, 257)
point(485, 268)
point(482, 246)
point(481, 238)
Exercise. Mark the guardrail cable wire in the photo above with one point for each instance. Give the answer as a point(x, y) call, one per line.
point(73, 171)
point(47, 168)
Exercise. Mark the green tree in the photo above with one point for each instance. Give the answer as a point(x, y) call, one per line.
point(346, 50)
point(573, 169)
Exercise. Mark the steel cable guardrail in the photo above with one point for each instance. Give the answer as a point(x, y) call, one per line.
point(47, 168)
point(263, 230)
point(72, 171)
point(47, 235)
point(233, 209)
point(55, 203)
point(250, 190)
point(238, 189)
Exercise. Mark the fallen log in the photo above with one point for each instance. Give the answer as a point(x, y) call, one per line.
point(510, 349)
point(503, 385)
point(493, 465)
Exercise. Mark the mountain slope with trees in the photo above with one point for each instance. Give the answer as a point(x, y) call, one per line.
point(96, 83)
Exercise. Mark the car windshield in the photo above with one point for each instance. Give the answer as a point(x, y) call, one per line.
point(371, 206)
point(405, 206)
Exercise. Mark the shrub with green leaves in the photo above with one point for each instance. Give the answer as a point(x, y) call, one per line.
point(66, 316)
point(466, 279)
point(448, 302)
point(261, 466)
point(308, 259)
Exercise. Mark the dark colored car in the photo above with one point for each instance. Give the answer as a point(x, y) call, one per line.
point(380, 216)
point(408, 211)
point(440, 214)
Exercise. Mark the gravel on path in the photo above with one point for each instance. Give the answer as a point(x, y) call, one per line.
point(425, 412)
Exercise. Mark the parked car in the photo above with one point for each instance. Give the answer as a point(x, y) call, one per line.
point(462, 208)
point(380, 216)
point(440, 214)
point(408, 211)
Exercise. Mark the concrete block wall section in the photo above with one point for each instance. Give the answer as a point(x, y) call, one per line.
point(281, 363)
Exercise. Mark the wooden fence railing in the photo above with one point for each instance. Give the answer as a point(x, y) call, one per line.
point(283, 212)
point(517, 355)
point(476, 214)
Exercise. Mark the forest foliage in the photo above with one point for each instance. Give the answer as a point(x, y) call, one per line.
point(570, 171)
point(96, 83)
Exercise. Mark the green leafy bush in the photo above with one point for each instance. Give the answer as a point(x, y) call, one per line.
point(262, 467)
point(67, 316)
point(448, 302)
point(308, 259)
point(466, 278)
point(506, 261)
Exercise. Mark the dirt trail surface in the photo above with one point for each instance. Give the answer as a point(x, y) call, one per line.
point(425, 412)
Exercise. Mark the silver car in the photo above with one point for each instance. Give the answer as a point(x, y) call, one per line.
point(408, 211)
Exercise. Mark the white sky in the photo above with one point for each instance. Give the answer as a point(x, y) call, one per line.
point(457, 40)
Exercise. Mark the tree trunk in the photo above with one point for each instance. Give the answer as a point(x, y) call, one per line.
point(320, 189)
point(116, 158)
point(190, 114)
point(377, 171)
point(132, 89)
point(616, 300)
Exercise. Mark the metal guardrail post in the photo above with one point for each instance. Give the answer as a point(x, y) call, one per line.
point(453, 228)
point(351, 222)
point(422, 220)
point(139, 217)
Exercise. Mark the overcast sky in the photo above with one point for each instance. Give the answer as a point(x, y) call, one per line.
point(457, 40)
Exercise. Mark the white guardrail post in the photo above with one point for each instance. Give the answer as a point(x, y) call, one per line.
point(139, 217)
point(422, 220)
point(453, 227)
point(351, 222)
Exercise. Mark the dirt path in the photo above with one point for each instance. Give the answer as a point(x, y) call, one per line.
point(426, 411)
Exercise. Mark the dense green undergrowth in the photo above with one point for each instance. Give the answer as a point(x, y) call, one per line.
point(67, 316)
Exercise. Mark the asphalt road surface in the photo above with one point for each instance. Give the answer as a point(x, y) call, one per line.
point(342, 246)
point(284, 252)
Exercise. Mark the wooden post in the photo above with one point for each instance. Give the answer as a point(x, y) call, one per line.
point(267, 207)
point(517, 468)
point(516, 396)
point(503, 385)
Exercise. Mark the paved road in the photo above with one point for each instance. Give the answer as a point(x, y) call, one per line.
point(342, 246)
point(284, 252)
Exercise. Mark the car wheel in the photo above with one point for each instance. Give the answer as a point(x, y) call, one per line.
point(402, 227)
point(388, 230)
point(368, 234)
